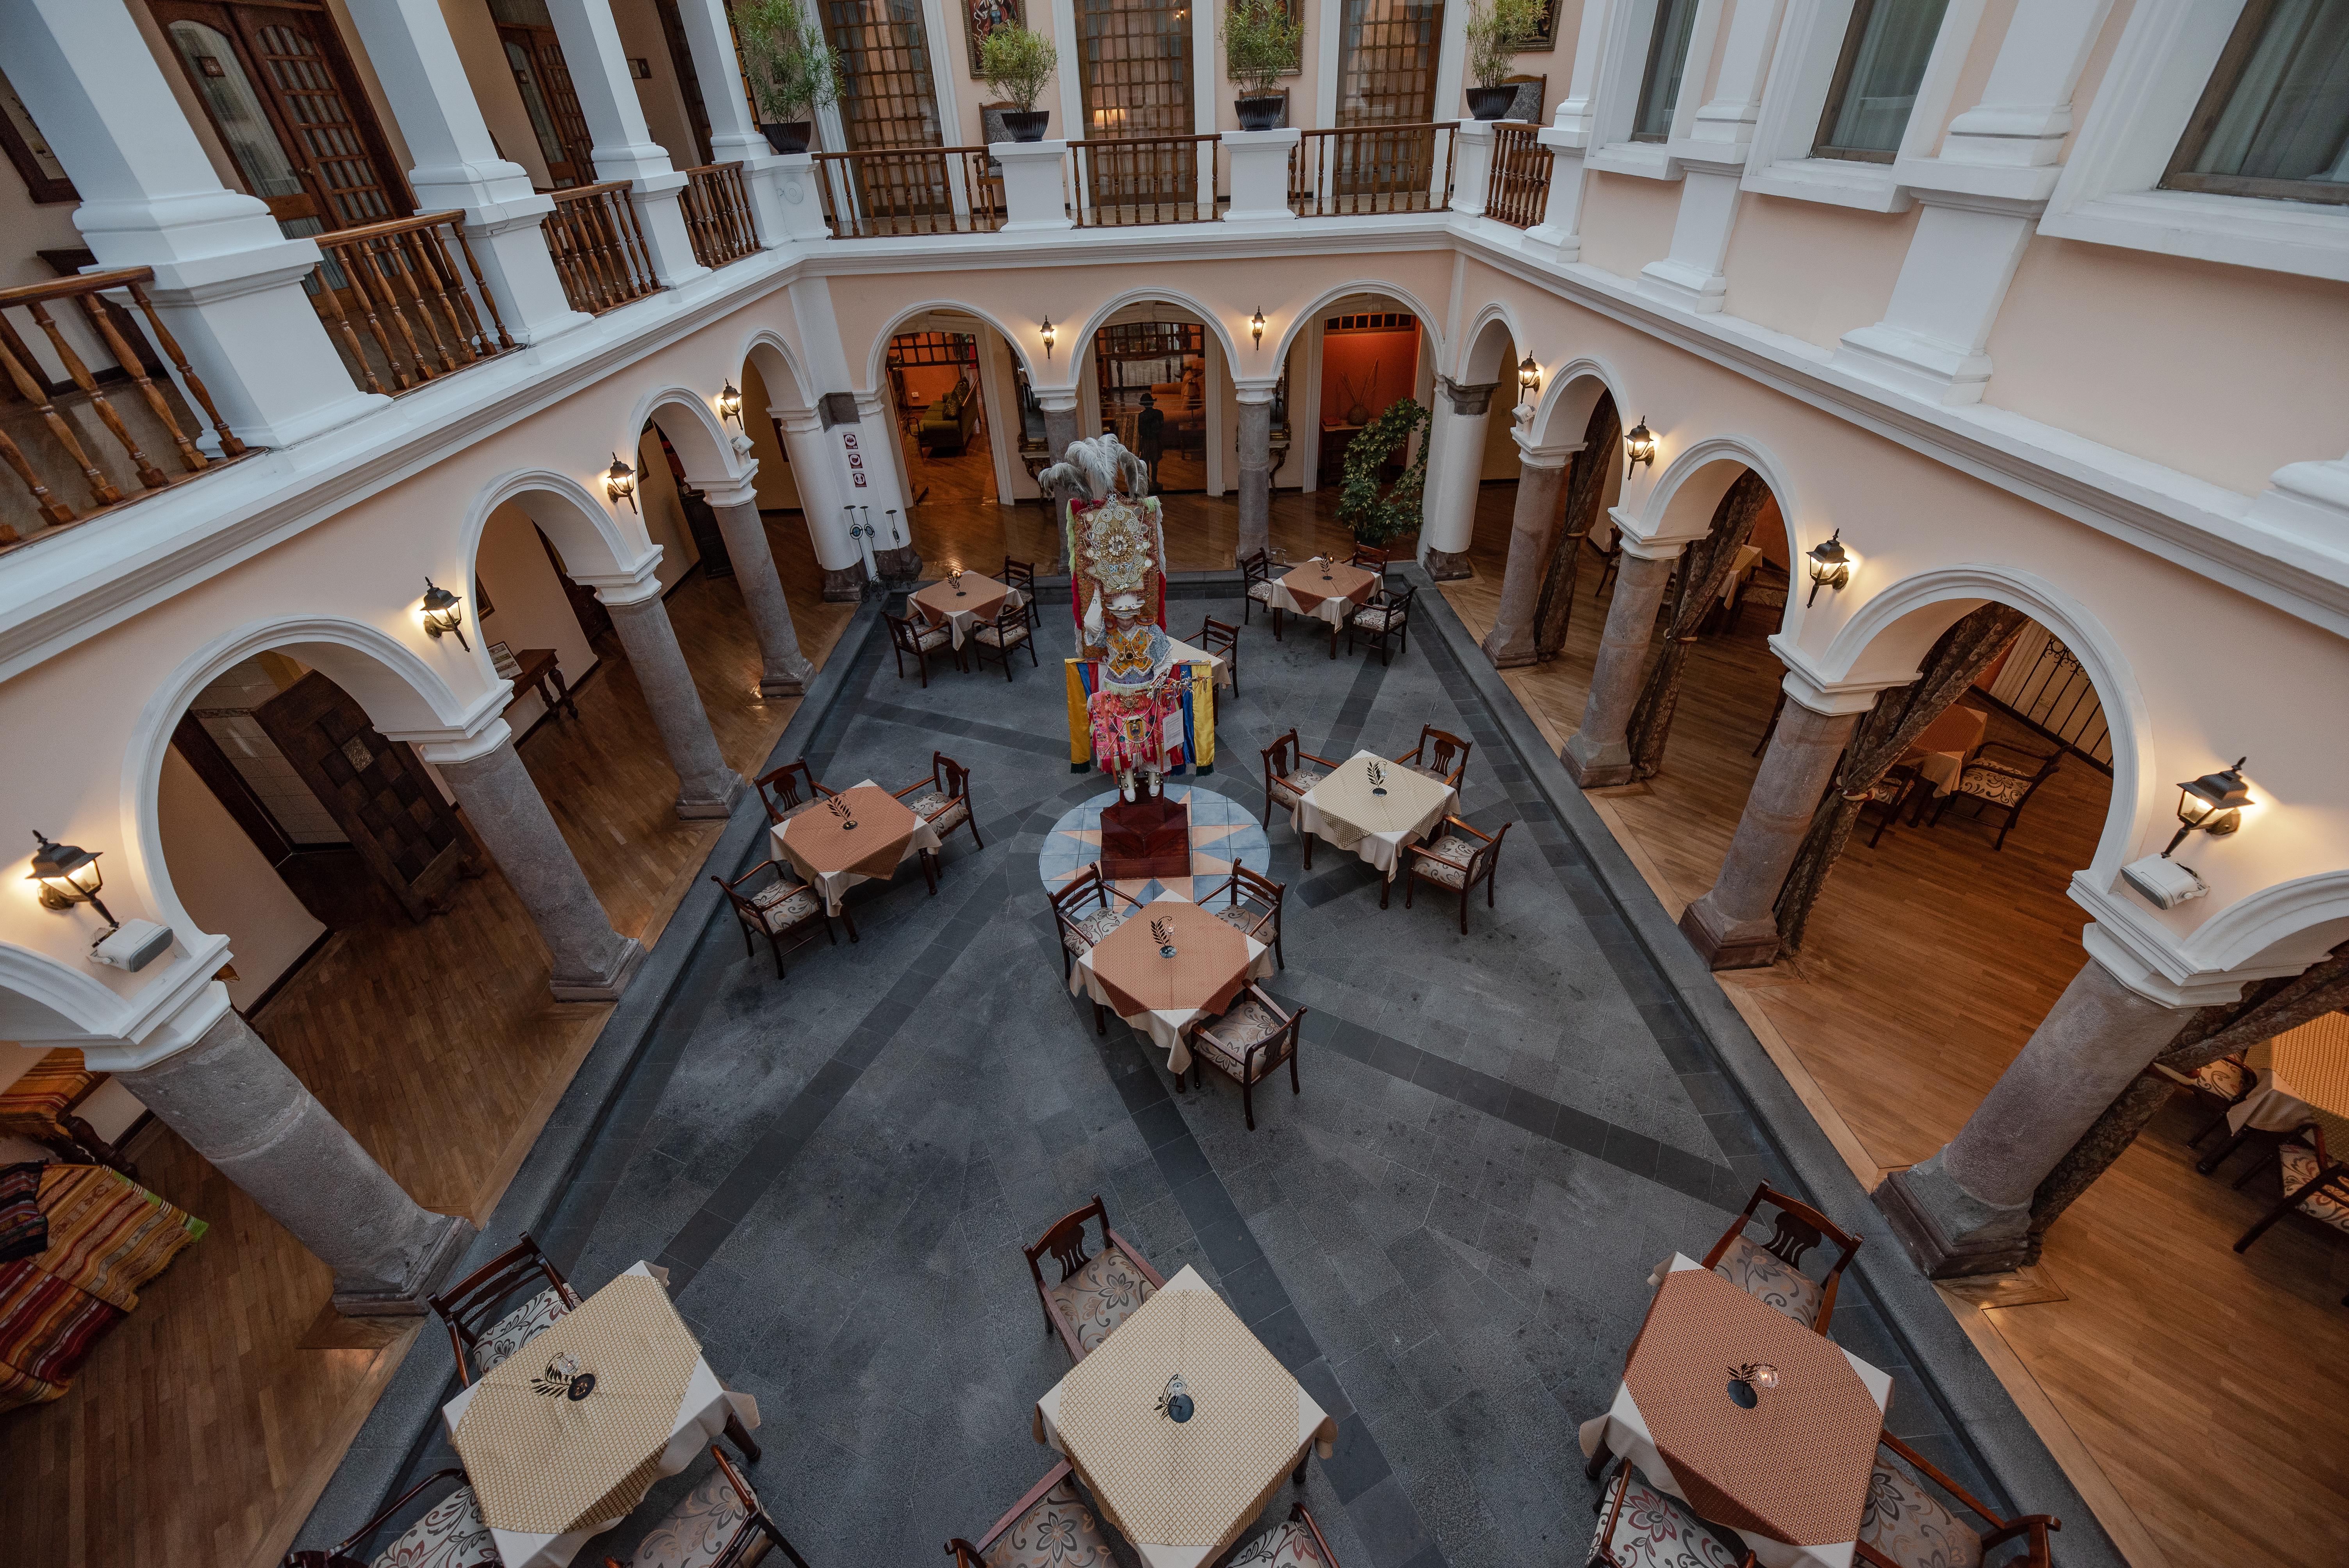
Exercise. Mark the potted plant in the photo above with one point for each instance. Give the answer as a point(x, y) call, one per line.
point(1377, 520)
point(1263, 41)
point(791, 71)
point(1497, 29)
point(1015, 63)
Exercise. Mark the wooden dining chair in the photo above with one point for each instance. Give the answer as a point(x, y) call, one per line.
point(1256, 573)
point(907, 638)
point(484, 1327)
point(450, 1533)
point(1906, 1525)
point(1289, 771)
point(1641, 1525)
point(996, 639)
point(943, 801)
point(1295, 1544)
point(1222, 639)
point(791, 789)
point(777, 907)
point(1384, 623)
point(1987, 786)
point(1440, 755)
point(2220, 1084)
point(1050, 1525)
point(1246, 1042)
point(1369, 558)
point(1080, 932)
point(2315, 1185)
point(1096, 1291)
point(1459, 859)
point(1252, 903)
point(1772, 1271)
point(1019, 576)
point(721, 1523)
point(1887, 798)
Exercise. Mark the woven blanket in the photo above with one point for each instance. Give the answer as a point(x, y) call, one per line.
point(35, 1105)
point(107, 1237)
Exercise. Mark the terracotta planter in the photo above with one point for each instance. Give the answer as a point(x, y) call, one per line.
point(789, 136)
point(1491, 103)
point(1264, 113)
point(1026, 124)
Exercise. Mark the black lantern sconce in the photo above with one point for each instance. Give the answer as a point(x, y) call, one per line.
point(620, 483)
point(1051, 336)
point(730, 403)
point(1529, 386)
point(1638, 445)
point(1256, 327)
point(1830, 566)
point(443, 612)
point(2213, 803)
point(68, 875)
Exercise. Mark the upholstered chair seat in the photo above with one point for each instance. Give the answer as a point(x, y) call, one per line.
point(451, 1535)
point(999, 637)
point(520, 1327)
point(1762, 1273)
point(698, 1530)
point(1057, 1531)
point(1910, 1527)
point(1290, 788)
point(2300, 1165)
point(1248, 1023)
point(1291, 1546)
point(1376, 617)
point(1242, 917)
point(1081, 932)
point(941, 811)
point(783, 904)
point(2226, 1077)
point(926, 637)
point(1103, 1293)
point(1993, 783)
point(1261, 592)
point(1451, 854)
point(1653, 1529)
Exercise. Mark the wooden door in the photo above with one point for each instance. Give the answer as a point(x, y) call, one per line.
point(279, 88)
point(688, 80)
point(585, 608)
point(374, 789)
point(534, 55)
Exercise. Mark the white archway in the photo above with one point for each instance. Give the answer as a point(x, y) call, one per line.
point(779, 368)
point(692, 427)
point(1080, 342)
point(877, 353)
point(1311, 312)
point(1569, 393)
point(1494, 340)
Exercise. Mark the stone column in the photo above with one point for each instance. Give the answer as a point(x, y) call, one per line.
point(1734, 926)
point(1255, 468)
point(592, 963)
point(894, 555)
point(1967, 1210)
point(1541, 475)
point(244, 1110)
point(625, 147)
point(784, 669)
point(1060, 419)
point(706, 786)
point(1455, 467)
point(1596, 753)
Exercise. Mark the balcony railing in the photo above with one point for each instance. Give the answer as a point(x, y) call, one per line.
point(718, 214)
point(1371, 169)
point(75, 451)
point(599, 251)
point(412, 287)
point(909, 191)
point(1126, 181)
point(1519, 193)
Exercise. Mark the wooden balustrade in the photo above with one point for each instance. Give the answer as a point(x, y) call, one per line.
point(909, 191)
point(72, 423)
point(1367, 169)
point(1126, 181)
point(718, 214)
point(599, 251)
point(422, 311)
point(1518, 194)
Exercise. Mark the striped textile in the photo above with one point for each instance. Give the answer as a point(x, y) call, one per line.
point(34, 1106)
point(107, 1237)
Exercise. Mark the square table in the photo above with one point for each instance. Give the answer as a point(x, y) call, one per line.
point(1330, 598)
point(1165, 997)
point(1940, 749)
point(1345, 809)
point(550, 1473)
point(1182, 1492)
point(981, 597)
point(2307, 1078)
point(833, 859)
point(1789, 1476)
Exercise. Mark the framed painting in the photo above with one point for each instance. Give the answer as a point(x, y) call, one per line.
point(980, 17)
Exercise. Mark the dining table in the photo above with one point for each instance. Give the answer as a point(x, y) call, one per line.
point(2304, 1079)
point(858, 835)
point(1328, 591)
point(1371, 806)
point(1789, 1474)
point(959, 606)
point(1167, 996)
point(563, 1438)
point(1943, 748)
point(1181, 1491)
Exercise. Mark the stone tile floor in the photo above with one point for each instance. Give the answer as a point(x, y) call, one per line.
point(1447, 1236)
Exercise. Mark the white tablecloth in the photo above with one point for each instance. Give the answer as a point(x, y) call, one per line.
point(834, 885)
point(1741, 571)
point(1331, 610)
point(2302, 1076)
point(1626, 1433)
point(1166, 1027)
point(700, 1417)
point(1381, 849)
point(1185, 654)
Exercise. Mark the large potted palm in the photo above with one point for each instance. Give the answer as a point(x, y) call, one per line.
point(1263, 42)
point(1497, 30)
point(791, 71)
point(1015, 64)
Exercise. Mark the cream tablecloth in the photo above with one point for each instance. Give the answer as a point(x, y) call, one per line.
point(1342, 811)
point(1185, 654)
point(2307, 1078)
point(834, 884)
point(1625, 1431)
point(1165, 1486)
point(1166, 1027)
point(701, 1415)
point(1348, 587)
point(1943, 748)
point(982, 597)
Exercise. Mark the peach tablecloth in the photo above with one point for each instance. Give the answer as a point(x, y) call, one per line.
point(982, 596)
point(1302, 591)
point(833, 859)
point(1164, 997)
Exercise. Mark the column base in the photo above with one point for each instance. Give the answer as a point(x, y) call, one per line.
point(697, 806)
point(1447, 565)
point(1948, 1232)
point(903, 564)
point(1729, 944)
point(628, 958)
point(379, 1299)
point(1596, 766)
point(844, 585)
point(1509, 658)
point(781, 686)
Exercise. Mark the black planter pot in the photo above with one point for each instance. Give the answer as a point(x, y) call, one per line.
point(1491, 103)
point(1264, 113)
point(791, 136)
point(1026, 124)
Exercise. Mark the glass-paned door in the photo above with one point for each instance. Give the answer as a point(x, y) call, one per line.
point(889, 98)
point(534, 55)
point(2274, 120)
point(1885, 51)
point(1386, 61)
point(1137, 67)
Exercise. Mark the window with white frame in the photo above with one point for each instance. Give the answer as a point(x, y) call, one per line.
point(1659, 83)
point(1885, 51)
point(2274, 120)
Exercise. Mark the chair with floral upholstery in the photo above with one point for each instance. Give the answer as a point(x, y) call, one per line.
point(1019, 576)
point(1296, 1543)
point(1082, 933)
point(450, 1533)
point(1988, 785)
point(2315, 1185)
point(1385, 620)
point(1644, 1526)
point(1049, 1528)
point(1905, 1525)
point(1256, 573)
point(906, 636)
point(1440, 755)
point(791, 789)
point(1252, 904)
point(721, 1523)
point(1289, 771)
point(775, 908)
point(1886, 798)
point(2221, 1084)
point(1459, 858)
point(486, 1323)
point(1772, 1271)
point(1245, 1043)
point(943, 801)
point(995, 639)
point(1095, 1292)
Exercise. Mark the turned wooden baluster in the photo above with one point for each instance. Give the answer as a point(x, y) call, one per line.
point(480, 291)
point(102, 323)
point(24, 371)
point(169, 347)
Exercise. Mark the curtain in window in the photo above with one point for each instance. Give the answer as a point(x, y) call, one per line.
point(1659, 85)
point(1137, 67)
point(1893, 39)
point(2288, 117)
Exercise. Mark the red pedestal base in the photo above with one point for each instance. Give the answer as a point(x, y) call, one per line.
point(1147, 837)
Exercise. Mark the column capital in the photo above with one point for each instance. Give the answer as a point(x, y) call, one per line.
point(1467, 400)
point(1809, 685)
point(1254, 394)
point(629, 583)
point(729, 490)
point(1536, 454)
point(1056, 399)
point(475, 744)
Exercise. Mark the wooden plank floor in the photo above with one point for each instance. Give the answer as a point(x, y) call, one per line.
point(203, 1427)
point(2210, 1390)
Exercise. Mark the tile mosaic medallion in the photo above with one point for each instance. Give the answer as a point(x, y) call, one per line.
point(1223, 832)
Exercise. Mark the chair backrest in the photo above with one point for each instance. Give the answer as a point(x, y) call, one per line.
point(1256, 568)
point(474, 1302)
point(1086, 884)
point(792, 784)
point(1021, 574)
point(1445, 747)
point(1397, 604)
point(1796, 1228)
point(1066, 1239)
point(901, 633)
point(1278, 757)
point(1368, 557)
point(346, 1553)
point(1218, 636)
point(1247, 883)
point(745, 907)
point(950, 778)
point(1281, 1044)
point(970, 1554)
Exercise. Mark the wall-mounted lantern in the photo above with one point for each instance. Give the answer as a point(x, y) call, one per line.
point(442, 611)
point(2212, 804)
point(730, 403)
point(1256, 327)
point(1830, 566)
point(1638, 445)
point(1529, 382)
point(620, 483)
point(1051, 336)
